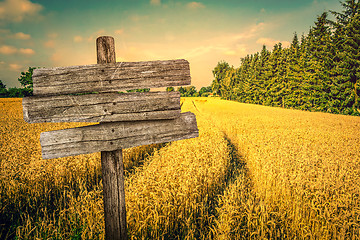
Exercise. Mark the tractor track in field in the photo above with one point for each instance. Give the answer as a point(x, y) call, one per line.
point(237, 172)
point(237, 160)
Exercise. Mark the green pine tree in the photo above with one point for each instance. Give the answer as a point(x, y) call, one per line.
point(345, 91)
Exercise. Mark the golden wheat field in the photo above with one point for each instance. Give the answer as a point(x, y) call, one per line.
point(254, 172)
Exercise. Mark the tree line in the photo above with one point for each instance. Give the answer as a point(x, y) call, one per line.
point(190, 91)
point(26, 89)
point(26, 82)
point(319, 72)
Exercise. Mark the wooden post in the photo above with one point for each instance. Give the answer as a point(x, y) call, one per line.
point(105, 48)
point(126, 120)
point(112, 165)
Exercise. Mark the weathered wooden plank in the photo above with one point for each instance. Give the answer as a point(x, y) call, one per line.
point(102, 107)
point(111, 77)
point(115, 135)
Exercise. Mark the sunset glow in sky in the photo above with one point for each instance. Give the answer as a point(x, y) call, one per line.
point(47, 33)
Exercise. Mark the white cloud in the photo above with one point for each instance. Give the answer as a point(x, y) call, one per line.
point(237, 50)
point(18, 10)
point(119, 31)
point(155, 2)
point(266, 41)
point(247, 33)
point(56, 57)
point(195, 52)
point(90, 39)
point(50, 44)
point(21, 35)
point(26, 51)
point(230, 46)
point(93, 36)
point(8, 50)
point(236, 39)
point(15, 67)
point(270, 42)
point(257, 28)
point(195, 5)
point(100, 32)
point(78, 39)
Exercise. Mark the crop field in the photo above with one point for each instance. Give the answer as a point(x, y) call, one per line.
point(254, 172)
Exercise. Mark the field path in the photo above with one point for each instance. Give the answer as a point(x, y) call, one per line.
point(303, 171)
point(254, 172)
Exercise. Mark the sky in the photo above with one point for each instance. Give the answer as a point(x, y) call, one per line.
point(50, 33)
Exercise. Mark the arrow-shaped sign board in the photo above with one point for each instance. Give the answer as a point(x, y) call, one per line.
point(116, 135)
point(93, 93)
point(102, 107)
point(56, 99)
point(111, 77)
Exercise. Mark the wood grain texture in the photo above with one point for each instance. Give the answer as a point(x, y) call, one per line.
point(112, 165)
point(111, 77)
point(102, 107)
point(105, 49)
point(114, 194)
point(115, 135)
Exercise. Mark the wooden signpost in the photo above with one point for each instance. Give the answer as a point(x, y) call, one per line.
point(90, 93)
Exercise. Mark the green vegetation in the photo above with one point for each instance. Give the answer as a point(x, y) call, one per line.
point(26, 82)
point(318, 73)
point(190, 91)
point(3, 90)
point(27, 88)
point(139, 90)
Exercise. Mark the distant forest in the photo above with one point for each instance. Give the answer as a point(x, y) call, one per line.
point(26, 89)
point(319, 72)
